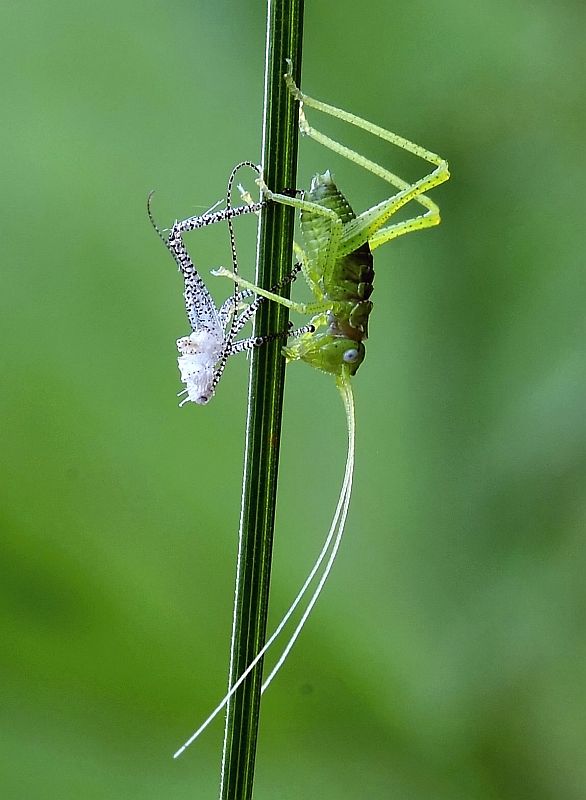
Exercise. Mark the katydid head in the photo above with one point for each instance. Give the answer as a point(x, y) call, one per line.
point(327, 352)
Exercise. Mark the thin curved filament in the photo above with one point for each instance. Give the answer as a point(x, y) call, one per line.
point(331, 544)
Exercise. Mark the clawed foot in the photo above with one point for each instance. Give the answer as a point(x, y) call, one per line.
point(222, 272)
point(291, 85)
point(245, 195)
point(304, 128)
point(264, 189)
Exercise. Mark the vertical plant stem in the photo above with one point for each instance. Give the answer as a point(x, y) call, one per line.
point(265, 400)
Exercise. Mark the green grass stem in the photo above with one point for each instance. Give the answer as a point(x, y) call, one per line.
point(265, 401)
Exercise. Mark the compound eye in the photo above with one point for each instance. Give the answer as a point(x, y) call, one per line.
point(202, 400)
point(350, 356)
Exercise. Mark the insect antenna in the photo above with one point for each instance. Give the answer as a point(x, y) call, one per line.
point(152, 219)
point(338, 522)
point(331, 546)
point(232, 236)
point(234, 328)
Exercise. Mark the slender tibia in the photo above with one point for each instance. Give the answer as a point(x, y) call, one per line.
point(407, 226)
point(367, 225)
point(251, 310)
point(353, 119)
point(202, 221)
point(301, 308)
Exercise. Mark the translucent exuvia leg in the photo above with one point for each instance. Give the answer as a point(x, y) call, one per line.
point(251, 309)
point(204, 352)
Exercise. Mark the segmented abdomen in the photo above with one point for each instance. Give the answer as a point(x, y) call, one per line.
point(352, 276)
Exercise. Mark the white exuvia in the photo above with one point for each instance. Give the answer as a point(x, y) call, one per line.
point(204, 352)
point(199, 354)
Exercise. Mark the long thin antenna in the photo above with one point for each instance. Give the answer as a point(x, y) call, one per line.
point(332, 541)
point(152, 219)
point(345, 388)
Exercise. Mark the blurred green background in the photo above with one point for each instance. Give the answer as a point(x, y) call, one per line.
point(445, 660)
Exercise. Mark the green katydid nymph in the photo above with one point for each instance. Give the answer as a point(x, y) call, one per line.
point(337, 264)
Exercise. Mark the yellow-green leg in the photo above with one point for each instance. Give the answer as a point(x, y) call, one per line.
point(367, 226)
point(309, 309)
point(336, 226)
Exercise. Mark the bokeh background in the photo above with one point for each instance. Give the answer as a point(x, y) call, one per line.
point(445, 660)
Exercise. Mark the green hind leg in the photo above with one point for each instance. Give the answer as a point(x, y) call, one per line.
point(367, 227)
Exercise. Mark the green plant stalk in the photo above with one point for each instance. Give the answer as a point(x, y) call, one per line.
point(265, 401)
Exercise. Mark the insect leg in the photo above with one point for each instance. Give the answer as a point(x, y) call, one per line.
point(202, 221)
point(228, 306)
point(237, 293)
point(406, 226)
point(203, 310)
point(335, 235)
point(353, 119)
point(367, 226)
point(200, 307)
point(231, 347)
point(301, 308)
point(249, 312)
point(257, 341)
point(368, 223)
point(295, 333)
